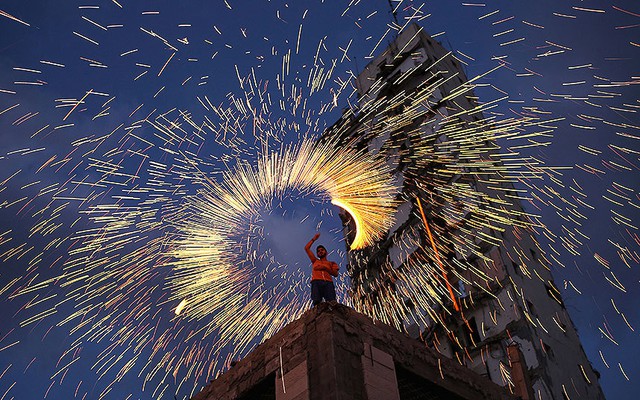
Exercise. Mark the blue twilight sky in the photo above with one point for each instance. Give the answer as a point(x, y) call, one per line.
point(575, 60)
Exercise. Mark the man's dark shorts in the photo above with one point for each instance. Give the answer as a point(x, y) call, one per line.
point(322, 289)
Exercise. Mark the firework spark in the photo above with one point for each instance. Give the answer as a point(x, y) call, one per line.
point(213, 223)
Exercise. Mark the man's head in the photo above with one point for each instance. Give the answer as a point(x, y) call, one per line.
point(321, 251)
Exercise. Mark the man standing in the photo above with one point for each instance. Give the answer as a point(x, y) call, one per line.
point(321, 273)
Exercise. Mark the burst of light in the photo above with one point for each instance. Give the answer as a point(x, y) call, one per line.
point(212, 224)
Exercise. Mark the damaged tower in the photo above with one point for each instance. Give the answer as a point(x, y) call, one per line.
point(461, 268)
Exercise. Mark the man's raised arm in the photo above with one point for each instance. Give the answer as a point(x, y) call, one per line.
point(307, 248)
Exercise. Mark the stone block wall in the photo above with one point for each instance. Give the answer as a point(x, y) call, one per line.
point(334, 353)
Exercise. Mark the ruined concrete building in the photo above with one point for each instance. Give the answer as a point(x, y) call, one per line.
point(460, 269)
point(333, 352)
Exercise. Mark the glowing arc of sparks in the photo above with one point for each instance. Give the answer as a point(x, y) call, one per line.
point(359, 240)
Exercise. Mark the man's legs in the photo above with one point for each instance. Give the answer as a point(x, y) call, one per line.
point(329, 292)
point(316, 292)
point(322, 289)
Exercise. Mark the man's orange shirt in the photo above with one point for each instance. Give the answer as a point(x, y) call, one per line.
point(322, 270)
